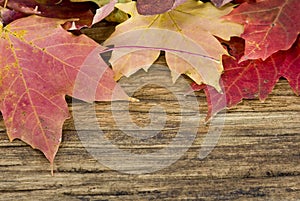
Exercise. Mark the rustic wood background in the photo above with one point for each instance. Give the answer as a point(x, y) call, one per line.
point(257, 156)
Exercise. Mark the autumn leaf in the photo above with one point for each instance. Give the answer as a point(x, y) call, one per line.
point(104, 11)
point(63, 9)
point(270, 26)
point(185, 33)
point(153, 7)
point(39, 64)
point(107, 10)
point(101, 13)
point(253, 78)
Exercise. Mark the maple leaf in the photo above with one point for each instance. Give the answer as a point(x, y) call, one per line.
point(150, 7)
point(39, 64)
point(185, 33)
point(253, 78)
point(63, 9)
point(270, 26)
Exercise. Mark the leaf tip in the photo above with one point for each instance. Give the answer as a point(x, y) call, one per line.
point(117, 76)
point(207, 119)
point(131, 99)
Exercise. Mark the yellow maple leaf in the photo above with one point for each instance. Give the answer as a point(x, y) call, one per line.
point(186, 34)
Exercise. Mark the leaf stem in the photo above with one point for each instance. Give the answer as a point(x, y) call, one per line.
point(5, 3)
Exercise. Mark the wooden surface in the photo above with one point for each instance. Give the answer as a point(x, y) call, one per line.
point(256, 158)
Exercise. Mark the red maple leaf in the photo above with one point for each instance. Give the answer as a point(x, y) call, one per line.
point(39, 65)
point(270, 26)
point(252, 78)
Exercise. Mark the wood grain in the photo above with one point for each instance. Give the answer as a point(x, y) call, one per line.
point(256, 158)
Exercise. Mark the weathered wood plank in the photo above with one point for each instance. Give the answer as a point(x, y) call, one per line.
point(256, 158)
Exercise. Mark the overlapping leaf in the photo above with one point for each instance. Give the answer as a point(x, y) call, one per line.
point(39, 64)
point(153, 7)
point(253, 78)
point(107, 10)
point(270, 26)
point(185, 33)
point(63, 9)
